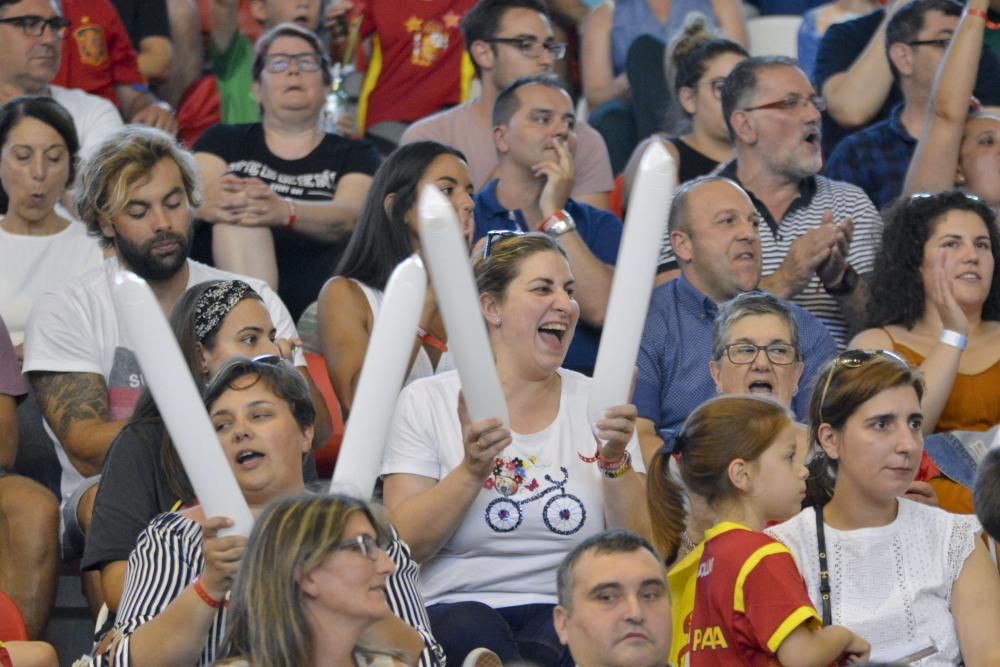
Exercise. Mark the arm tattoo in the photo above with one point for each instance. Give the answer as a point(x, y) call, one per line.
point(65, 398)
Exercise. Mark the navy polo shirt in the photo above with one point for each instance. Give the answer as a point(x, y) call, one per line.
point(601, 232)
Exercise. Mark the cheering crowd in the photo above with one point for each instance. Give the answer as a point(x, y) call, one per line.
point(802, 474)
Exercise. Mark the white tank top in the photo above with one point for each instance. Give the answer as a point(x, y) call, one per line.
point(422, 366)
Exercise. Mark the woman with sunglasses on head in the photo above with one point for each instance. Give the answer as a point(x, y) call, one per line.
point(959, 147)
point(175, 603)
point(698, 62)
point(935, 301)
point(386, 234)
point(142, 476)
point(282, 195)
point(489, 510)
point(903, 575)
point(311, 583)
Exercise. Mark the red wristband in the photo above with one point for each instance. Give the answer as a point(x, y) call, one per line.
point(433, 341)
point(291, 213)
point(203, 594)
point(990, 25)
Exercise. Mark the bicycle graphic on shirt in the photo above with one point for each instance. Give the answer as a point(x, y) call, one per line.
point(563, 513)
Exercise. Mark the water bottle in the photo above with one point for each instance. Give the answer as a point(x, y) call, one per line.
point(338, 102)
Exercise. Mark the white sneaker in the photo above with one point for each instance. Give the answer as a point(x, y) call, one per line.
point(482, 657)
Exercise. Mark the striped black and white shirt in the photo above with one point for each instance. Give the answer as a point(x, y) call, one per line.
point(816, 194)
point(168, 558)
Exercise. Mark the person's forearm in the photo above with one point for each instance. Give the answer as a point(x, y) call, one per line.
point(956, 76)
point(427, 520)
point(132, 100)
point(614, 89)
point(113, 583)
point(855, 95)
point(175, 636)
point(327, 221)
point(779, 286)
point(853, 306)
point(248, 251)
point(154, 57)
point(88, 442)
point(939, 369)
point(625, 503)
point(593, 279)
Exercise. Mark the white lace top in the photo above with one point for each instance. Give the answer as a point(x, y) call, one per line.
point(892, 584)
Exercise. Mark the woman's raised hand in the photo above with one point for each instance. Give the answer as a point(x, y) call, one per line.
point(222, 557)
point(942, 295)
point(614, 432)
point(483, 441)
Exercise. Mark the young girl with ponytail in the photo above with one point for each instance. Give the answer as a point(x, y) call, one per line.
point(738, 598)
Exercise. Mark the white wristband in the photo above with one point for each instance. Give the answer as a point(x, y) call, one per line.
point(953, 338)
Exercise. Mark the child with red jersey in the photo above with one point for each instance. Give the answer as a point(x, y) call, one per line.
point(738, 597)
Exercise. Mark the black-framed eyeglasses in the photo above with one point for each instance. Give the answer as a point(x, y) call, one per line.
point(33, 25)
point(495, 235)
point(276, 63)
point(792, 102)
point(364, 544)
point(941, 43)
point(780, 354)
point(531, 47)
point(855, 359)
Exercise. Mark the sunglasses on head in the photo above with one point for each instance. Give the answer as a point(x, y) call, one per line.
point(495, 235)
point(856, 359)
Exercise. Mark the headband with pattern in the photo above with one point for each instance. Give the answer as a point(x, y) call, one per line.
point(217, 302)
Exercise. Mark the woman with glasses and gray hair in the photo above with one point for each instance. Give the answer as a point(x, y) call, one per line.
point(282, 196)
point(935, 301)
point(914, 580)
point(490, 508)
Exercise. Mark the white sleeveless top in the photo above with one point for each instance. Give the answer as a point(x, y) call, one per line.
point(422, 366)
point(891, 584)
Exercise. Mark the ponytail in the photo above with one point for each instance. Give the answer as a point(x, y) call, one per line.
point(667, 513)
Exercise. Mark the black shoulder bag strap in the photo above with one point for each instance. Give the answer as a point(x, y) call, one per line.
point(824, 568)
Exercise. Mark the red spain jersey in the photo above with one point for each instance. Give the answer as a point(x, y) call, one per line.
point(418, 63)
point(97, 54)
point(737, 597)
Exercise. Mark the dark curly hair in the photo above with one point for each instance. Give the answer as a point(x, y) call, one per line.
point(896, 290)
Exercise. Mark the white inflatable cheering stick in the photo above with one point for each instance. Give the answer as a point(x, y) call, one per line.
point(448, 264)
point(176, 396)
point(382, 375)
point(635, 271)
